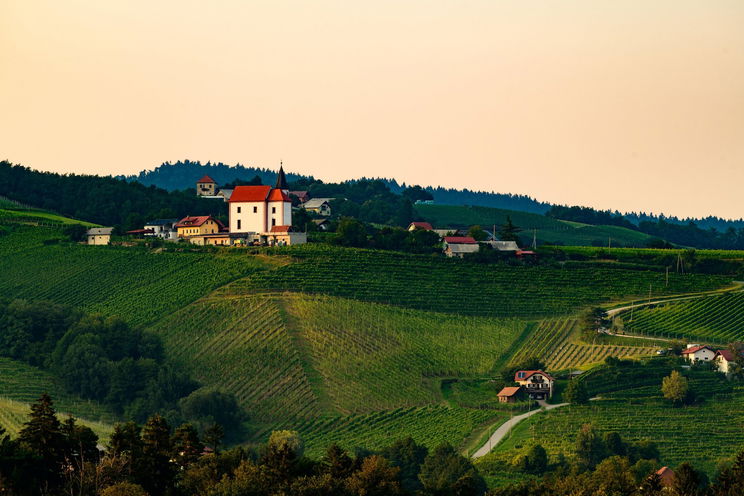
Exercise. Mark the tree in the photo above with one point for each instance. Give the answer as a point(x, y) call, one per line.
point(509, 232)
point(444, 468)
point(675, 387)
point(376, 477)
point(688, 481)
point(613, 476)
point(124, 489)
point(477, 233)
point(651, 485)
point(204, 407)
point(75, 232)
point(337, 463)
point(213, 436)
point(42, 435)
point(408, 456)
point(576, 392)
point(416, 193)
point(351, 232)
point(590, 449)
point(537, 459)
point(155, 471)
point(187, 448)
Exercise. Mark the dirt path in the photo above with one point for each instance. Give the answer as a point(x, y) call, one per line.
point(504, 428)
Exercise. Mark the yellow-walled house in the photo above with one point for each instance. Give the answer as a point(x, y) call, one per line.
point(99, 235)
point(198, 226)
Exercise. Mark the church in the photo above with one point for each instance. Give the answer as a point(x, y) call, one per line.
point(265, 213)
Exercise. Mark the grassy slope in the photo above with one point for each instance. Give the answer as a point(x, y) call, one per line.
point(548, 230)
point(717, 319)
point(21, 384)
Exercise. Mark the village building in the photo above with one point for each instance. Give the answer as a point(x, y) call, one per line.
point(206, 186)
point(320, 206)
point(459, 246)
point(666, 476)
point(723, 360)
point(99, 235)
point(162, 228)
point(537, 384)
point(420, 225)
point(302, 196)
point(262, 214)
point(698, 353)
point(507, 246)
point(225, 194)
point(509, 394)
point(193, 228)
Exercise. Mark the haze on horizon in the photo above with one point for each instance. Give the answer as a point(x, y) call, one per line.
point(634, 105)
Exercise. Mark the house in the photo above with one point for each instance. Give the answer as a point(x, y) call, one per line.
point(258, 212)
point(302, 196)
point(206, 186)
point(509, 246)
point(225, 194)
point(723, 360)
point(459, 246)
point(666, 476)
point(509, 394)
point(163, 228)
point(538, 384)
point(195, 226)
point(420, 225)
point(698, 353)
point(99, 235)
point(140, 232)
point(322, 224)
point(320, 206)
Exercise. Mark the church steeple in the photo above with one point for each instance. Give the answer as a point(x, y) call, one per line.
point(281, 180)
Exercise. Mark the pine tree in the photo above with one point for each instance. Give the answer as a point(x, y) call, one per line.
point(42, 435)
point(187, 448)
point(155, 472)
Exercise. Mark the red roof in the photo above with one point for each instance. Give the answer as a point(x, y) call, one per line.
point(206, 179)
point(695, 349)
point(528, 374)
point(727, 355)
point(509, 391)
point(525, 252)
point(140, 231)
point(421, 225)
point(277, 195)
point(666, 475)
point(301, 195)
point(462, 240)
point(250, 194)
point(196, 221)
point(281, 229)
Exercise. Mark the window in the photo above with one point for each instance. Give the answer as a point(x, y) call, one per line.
point(238, 209)
point(255, 210)
point(273, 210)
point(238, 223)
point(273, 222)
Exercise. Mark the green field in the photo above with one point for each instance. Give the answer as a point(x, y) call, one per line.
point(12, 213)
point(701, 434)
point(716, 319)
point(549, 230)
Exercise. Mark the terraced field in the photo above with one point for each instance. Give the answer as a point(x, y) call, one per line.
point(716, 423)
point(430, 426)
point(138, 285)
point(557, 343)
point(716, 319)
point(460, 287)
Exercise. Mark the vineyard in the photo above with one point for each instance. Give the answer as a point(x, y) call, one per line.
point(549, 230)
point(429, 425)
point(458, 286)
point(700, 434)
point(557, 343)
point(138, 285)
point(717, 319)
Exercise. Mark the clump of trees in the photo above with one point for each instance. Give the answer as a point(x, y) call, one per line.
point(352, 232)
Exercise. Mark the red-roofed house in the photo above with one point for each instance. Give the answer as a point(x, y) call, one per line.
point(666, 475)
point(538, 384)
point(206, 186)
point(264, 214)
point(509, 394)
point(724, 359)
point(698, 353)
point(196, 226)
point(420, 225)
point(458, 246)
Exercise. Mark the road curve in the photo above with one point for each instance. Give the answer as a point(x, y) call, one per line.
point(504, 428)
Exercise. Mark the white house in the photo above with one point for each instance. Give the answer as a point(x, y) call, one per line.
point(162, 228)
point(503, 245)
point(699, 353)
point(723, 360)
point(420, 225)
point(538, 384)
point(320, 206)
point(458, 246)
point(99, 235)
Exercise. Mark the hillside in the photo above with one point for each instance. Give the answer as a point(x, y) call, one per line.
point(547, 230)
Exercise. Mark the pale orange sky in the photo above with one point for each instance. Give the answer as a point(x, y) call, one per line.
point(629, 105)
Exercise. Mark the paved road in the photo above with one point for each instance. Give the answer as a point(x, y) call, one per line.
point(504, 428)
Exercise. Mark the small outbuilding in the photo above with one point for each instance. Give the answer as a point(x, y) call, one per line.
point(99, 235)
point(510, 394)
point(420, 225)
point(459, 246)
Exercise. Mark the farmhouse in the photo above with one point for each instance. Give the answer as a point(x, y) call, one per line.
point(536, 383)
point(458, 246)
point(698, 353)
point(723, 360)
point(420, 225)
point(162, 228)
point(509, 394)
point(206, 186)
point(666, 475)
point(99, 235)
point(320, 206)
point(190, 227)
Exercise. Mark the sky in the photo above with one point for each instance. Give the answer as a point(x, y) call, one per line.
point(633, 105)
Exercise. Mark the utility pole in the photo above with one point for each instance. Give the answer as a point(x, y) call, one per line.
point(534, 239)
point(667, 276)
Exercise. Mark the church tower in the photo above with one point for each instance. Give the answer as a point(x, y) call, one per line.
point(281, 180)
